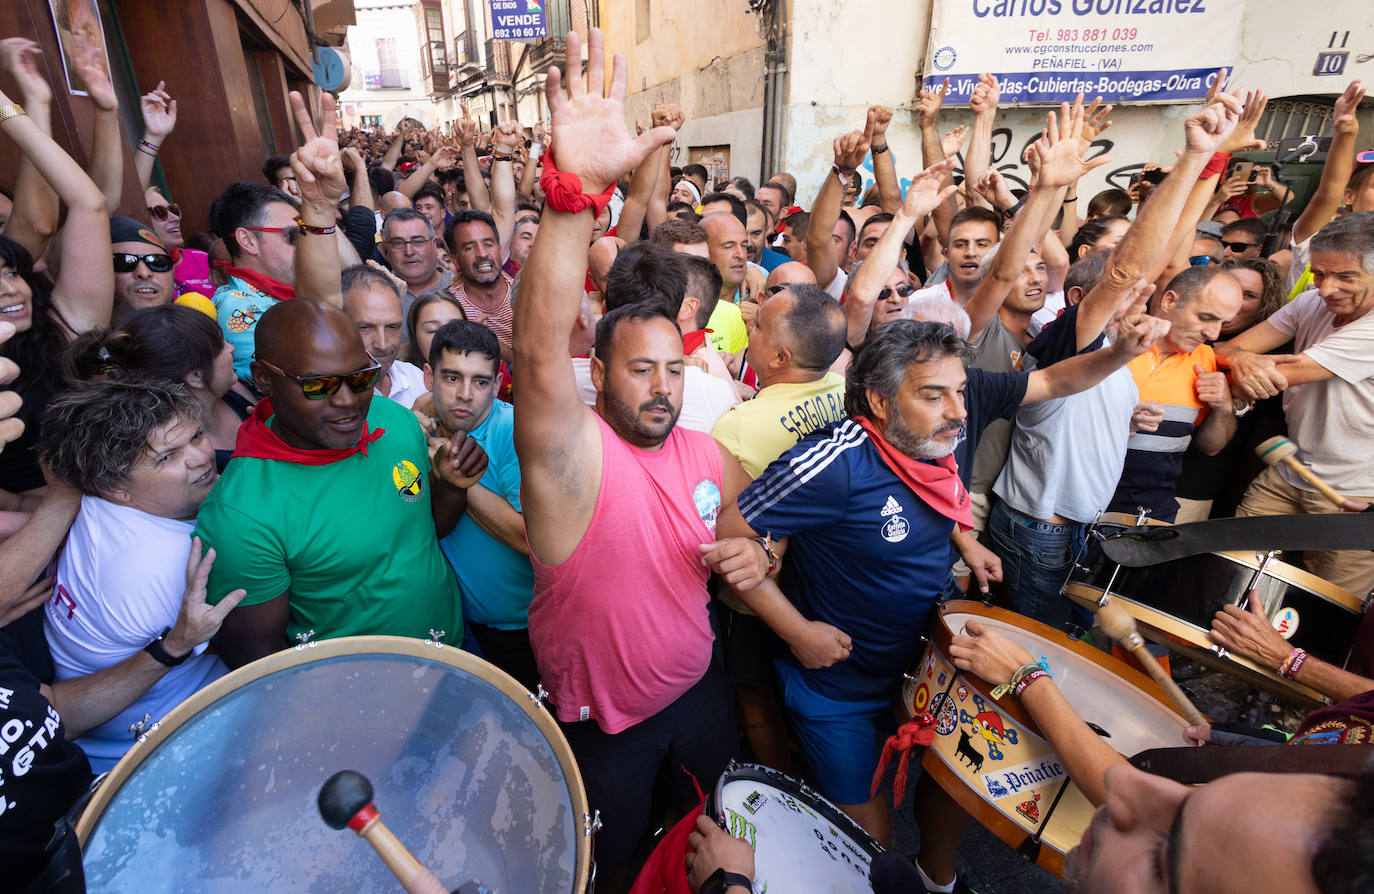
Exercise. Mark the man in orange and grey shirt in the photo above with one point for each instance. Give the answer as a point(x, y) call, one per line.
point(1182, 392)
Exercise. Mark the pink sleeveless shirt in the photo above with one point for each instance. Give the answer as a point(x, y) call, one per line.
point(621, 629)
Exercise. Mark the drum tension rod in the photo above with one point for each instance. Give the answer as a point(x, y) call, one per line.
point(1251, 590)
point(591, 823)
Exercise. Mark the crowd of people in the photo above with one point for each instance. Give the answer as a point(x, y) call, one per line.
point(699, 460)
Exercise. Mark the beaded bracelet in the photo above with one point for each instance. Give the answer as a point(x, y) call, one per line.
point(1043, 665)
point(149, 148)
point(496, 158)
point(1029, 679)
point(879, 150)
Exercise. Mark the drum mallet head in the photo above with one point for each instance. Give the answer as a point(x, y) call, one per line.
point(345, 801)
point(1281, 450)
point(1120, 626)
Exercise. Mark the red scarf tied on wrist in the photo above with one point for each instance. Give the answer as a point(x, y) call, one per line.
point(260, 281)
point(937, 483)
point(563, 191)
point(256, 440)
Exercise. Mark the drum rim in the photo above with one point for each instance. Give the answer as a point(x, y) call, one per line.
point(1011, 705)
point(1298, 577)
point(797, 788)
point(1187, 635)
point(392, 646)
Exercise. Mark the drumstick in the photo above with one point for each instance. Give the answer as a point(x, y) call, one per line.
point(346, 800)
point(1120, 626)
point(1281, 450)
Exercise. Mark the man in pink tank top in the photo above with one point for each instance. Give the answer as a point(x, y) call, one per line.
point(620, 505)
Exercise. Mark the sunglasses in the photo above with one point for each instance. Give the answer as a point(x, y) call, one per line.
point(1203, 260)
point(128, 263)
point(1239, 247)
point(321, 387)
point(288, 233)
point(904, 291)
point(773, 290)
point(161, 212)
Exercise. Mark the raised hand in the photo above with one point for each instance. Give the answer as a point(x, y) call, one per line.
point(445, 158)
point(589, 127)
point(925, 193)
point(466, 128)
point(1058, 155)
point(881, 116)
point(507, 138)
point(1206, 130)
point(953, 141)
point(89, 76)
point(317, 164)
point(928, 110)
point(1243, 136)
point(852, 148)
point(19, 57)
point(196, 621)
point(986, 95)
point(159, 112)
point(1138, 333)
point(1346, 103)
point(993, 187)
point(1095, 121)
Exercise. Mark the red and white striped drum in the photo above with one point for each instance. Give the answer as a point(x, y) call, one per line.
point(989, 755)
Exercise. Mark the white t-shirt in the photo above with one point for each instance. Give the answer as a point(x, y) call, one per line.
point(407, 383)
point(940, 288)
point(582, 370)
point(1331, 421)
point(705, 398)
point(837, 285)
point(1054, 306)
point(120, 580)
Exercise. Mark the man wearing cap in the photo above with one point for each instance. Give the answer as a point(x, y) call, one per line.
point(142, 267)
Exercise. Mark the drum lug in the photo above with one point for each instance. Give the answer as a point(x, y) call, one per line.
point(539, 694)
point(141, 728)
point(303, 639)
point(591, 823)
point(436, 637)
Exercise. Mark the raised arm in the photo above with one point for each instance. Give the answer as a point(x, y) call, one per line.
point(530, 175)
point(84, 292)
point(1340, 162)
point(478, 196)
point(107, 150)
point(320, 178)
point(33, 221)
point(1136, 335)
point(440, 160)
point(643, 182)
point(1144, 242)
point(884, 169)
point(506, 142)
point(359, 186)
point(927, 190)
point(983, 104)
point(556, 436)
point(393, 151)
point(933, 152)
point(159, 118)
point(850, 151)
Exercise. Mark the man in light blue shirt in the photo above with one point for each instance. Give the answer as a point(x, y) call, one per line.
point(487, 549)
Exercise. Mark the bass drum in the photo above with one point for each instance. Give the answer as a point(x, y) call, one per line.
point(1174, 603)
point(470, 772)
point(989, 755)
point(801, 841)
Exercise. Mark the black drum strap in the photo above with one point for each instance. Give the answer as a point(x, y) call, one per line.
point(1030, 848)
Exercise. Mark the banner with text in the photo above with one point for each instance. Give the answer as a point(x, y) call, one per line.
point(1045, 51)
point(518, 20)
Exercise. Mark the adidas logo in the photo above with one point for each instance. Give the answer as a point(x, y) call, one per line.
point(891, 507)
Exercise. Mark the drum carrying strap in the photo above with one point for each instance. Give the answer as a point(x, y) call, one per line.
point(1194, 766)
point(1139, 547)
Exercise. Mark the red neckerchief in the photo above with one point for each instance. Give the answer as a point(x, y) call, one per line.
point(695, 339)
point(782, 218)
point(936, 483)
point(257, 441)
point(260, 281)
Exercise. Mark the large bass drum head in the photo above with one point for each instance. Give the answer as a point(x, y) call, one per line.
point(470, 774)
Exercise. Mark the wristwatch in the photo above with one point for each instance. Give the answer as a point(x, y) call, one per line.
point(720, 881)
point(160, 653)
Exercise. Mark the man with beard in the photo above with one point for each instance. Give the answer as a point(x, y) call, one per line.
point(482, 287)
point(328, 512)
point(487, 548)
point(373, 301)
point(142, 267)
point(626, 656)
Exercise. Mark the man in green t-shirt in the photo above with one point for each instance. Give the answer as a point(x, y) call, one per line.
point(329, 513)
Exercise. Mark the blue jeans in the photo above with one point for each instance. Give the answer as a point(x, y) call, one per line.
point(1036, 559)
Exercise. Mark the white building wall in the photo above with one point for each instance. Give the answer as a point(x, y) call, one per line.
point(381, 20)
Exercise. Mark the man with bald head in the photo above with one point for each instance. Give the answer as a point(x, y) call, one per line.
point(792, 272)
point(725, 243)
point(330, 511)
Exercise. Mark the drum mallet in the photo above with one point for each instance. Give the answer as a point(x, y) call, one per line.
point(346, 801)
point(1120, 626)
point(1281, 450)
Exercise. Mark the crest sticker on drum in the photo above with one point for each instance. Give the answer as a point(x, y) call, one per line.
point(946, 716)
point(1286, 622)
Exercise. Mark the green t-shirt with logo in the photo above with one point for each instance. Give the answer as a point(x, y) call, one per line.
point(352, 541)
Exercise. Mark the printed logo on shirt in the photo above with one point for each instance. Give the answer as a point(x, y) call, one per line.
point(706, 498)
point(895, 529)
point(891, 507)
point(241, 321)
point(409, 483)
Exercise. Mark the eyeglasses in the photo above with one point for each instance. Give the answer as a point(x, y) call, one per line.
point(1203, 260)
point(903, 291)
point(1239, 247)
point(288, 233)
point(161, 212)
point(321, 387)
point(416, 242)
point(124, 262)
